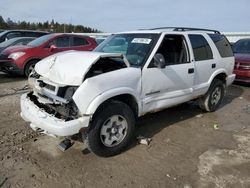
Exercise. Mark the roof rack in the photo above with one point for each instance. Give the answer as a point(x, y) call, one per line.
point(186, 29)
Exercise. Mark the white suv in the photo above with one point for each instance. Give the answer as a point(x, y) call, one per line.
point(100, 94)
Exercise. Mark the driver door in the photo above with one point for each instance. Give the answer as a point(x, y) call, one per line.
point(164, 87)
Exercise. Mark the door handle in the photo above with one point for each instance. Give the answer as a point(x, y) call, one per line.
point(213, 65)
point(191, 71)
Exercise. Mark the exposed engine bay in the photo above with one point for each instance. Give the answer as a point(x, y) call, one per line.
point(105, 65)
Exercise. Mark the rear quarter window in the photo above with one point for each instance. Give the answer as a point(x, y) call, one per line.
point(222, 45)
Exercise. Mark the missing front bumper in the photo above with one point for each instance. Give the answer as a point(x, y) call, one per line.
point(49, 124)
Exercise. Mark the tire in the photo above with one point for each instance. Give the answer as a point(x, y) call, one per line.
point(29, 67)
point(112, 129)
point(213, 98)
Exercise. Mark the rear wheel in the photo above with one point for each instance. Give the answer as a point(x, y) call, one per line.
point(111, 130)
point(213, 98)
point(29, 67)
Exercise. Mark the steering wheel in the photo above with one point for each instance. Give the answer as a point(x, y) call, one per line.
point(141, 53)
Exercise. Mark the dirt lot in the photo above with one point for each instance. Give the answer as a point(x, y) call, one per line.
point(187, 149)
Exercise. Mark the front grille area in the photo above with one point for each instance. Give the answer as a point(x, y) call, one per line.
point(43, 84)
point(50, 87)
point(65, 112)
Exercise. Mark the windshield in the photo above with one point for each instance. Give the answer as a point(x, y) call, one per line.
point(136, 47)
point(40, 40)
point(7, 43)
point(242, 46)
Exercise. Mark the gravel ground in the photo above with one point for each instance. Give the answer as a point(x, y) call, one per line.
point(189, 148)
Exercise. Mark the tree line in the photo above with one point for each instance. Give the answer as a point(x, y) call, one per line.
point(51, 26)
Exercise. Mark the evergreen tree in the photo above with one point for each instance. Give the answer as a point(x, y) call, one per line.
point(45, 26)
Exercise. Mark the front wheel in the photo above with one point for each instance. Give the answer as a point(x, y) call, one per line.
point(29, 67)
point(213, 98)
point(111, 130)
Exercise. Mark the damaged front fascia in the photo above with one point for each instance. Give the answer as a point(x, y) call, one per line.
point(66, 109)
point(65, 112)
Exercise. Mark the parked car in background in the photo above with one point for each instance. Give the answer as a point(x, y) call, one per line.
point(99, 40)
point(15, 42)
point(22, 59)
point(9, 34)
point(242, 60)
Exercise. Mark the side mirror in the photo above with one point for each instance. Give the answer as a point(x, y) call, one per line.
point(159, 61)
point(52, 48)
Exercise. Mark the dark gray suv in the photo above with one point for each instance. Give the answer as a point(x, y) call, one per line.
point(9, 34)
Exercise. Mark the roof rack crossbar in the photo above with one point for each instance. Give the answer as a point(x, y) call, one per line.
point(186, 29)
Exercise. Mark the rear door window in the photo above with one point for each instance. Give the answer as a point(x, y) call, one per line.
point(202, 50)
point(79, 41)
point(222, 45)
point(61, 42)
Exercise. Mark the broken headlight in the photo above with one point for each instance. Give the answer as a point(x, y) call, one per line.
point(34, 74)
point(32, 78)
point(69, 92)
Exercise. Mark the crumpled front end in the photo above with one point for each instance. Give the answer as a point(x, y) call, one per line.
point(50, 109)
point(64, 87)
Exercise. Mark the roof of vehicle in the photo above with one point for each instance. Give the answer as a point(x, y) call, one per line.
point(16, 30)
point(174, 30)
point(245, 39)
point(18, 38)
point(69, 34)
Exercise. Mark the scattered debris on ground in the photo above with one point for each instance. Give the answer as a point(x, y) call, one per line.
point(143, 140)
point(216, 126)
point(199, 115)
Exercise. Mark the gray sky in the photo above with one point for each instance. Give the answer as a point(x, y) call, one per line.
point(121, 15)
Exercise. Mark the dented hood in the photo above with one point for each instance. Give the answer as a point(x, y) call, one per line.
point(69, 68)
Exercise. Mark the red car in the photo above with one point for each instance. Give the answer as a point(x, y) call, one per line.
point(22, 59)
point(242, 60)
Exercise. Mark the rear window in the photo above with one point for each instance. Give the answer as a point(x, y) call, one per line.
point(78, 41)
point(222, 45)
point(201, 48)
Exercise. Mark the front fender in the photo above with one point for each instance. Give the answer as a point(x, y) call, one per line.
point(110, 94)
point(93, 91)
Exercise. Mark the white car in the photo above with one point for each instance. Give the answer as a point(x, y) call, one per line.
point(100, 94)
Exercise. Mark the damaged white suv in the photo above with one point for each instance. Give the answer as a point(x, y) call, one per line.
point(100, 94)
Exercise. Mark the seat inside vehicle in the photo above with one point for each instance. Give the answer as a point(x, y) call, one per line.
point(173, 49)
